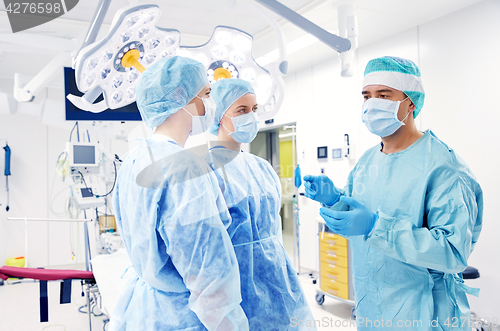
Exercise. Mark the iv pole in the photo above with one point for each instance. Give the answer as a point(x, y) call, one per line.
point(296, 234)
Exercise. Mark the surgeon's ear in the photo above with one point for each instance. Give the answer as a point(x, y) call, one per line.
point(411, 107)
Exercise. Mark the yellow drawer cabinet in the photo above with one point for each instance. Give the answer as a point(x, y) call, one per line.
point(341, 261)
point(332, 238)
point(333, 249)
point(335, 274)
point(335, 288)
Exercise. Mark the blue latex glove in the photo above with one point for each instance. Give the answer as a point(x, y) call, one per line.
point(321, 189)
point(355, 222)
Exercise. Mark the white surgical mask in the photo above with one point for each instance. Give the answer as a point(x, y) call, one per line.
point(202, 123)
point(381, 116)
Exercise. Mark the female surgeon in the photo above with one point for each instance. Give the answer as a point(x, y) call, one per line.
point(171, 214)
point(270, 289)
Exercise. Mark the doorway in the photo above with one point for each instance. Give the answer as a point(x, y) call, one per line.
point(276, 146)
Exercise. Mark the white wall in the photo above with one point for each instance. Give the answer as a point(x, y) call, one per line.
point(28, 187)
point(36, 141)
point(458, 57)
point(460, 63)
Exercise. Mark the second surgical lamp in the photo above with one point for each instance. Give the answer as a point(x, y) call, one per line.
point(112, 66)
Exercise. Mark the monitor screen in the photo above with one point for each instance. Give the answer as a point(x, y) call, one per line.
point(83, 154)
point(73, 113)
point(86, 192)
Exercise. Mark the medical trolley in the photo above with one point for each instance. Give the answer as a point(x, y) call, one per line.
point(335, 268)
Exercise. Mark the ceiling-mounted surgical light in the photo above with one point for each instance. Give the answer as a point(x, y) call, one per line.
point(229, 55)
point(113, 65)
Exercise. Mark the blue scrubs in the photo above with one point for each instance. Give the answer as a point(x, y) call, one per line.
point(273, 299)
point(173, 220)
point(407, 271)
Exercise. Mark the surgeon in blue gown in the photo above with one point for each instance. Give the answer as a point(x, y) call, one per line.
point(172, 216)
point(272, 295)
point(411, 209)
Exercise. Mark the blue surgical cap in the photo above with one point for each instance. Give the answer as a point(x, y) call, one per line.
point(397, 73)
point(167, 86)
point(225, 92)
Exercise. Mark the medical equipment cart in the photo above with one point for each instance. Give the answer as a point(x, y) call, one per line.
point(335, 268)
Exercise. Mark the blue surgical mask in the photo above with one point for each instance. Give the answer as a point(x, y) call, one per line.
point(246, 127)
point(202, 123)
point(381, 116)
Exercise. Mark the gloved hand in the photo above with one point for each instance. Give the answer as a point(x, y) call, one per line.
point(355, 222)
point(321, 189)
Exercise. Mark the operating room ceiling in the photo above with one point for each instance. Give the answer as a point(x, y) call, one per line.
point(196, 20)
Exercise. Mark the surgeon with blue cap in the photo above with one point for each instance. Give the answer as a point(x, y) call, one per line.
point(272, 295)
point(412, 211)
point(172, 216)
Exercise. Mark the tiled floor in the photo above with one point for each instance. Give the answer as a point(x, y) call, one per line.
point(19, 309)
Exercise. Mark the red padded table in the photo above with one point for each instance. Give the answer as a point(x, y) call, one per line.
point(44, 275)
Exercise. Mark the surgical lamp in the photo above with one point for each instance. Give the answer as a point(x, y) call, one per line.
point(112, 66)
point(228, 54)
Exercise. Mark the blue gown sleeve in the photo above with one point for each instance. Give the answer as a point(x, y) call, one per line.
point(191, 214)
point(452, 222)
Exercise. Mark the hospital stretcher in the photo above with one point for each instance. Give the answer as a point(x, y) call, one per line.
point(107, 272)
point(45, 275)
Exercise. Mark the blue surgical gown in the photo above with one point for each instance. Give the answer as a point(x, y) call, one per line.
point(407, 271)
point(272, 295)
point(172, 218)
